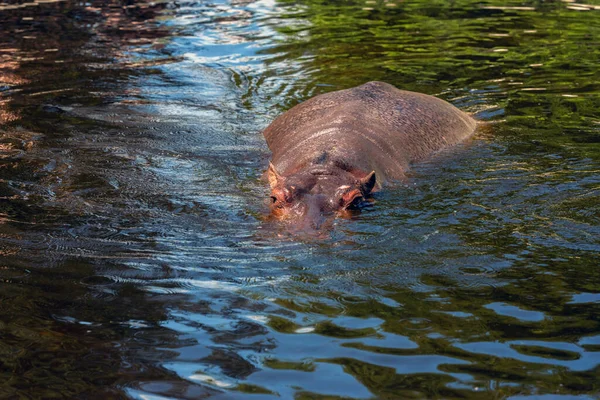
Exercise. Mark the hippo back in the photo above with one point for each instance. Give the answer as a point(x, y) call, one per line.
point(370, 127)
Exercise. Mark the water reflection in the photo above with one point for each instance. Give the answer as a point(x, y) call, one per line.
point(135, 258)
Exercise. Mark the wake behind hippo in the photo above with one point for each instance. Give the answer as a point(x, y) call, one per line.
point(332, 151)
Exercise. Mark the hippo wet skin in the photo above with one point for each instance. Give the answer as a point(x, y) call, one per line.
point(331, 151)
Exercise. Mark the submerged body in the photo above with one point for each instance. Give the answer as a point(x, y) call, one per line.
point(331, 151)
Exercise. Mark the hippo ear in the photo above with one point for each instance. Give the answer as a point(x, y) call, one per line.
point(368, 182)
point(273, 175)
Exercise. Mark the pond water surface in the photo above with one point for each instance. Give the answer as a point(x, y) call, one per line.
point(137, 259)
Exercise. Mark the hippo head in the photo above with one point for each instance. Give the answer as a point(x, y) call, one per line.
point(309, 196)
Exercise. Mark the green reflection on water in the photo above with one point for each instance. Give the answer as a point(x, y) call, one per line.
point(539, 66)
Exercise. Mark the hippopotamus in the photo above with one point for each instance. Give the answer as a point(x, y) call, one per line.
point(331, 152)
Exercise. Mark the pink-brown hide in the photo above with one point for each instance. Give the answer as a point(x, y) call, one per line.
point(332, 151)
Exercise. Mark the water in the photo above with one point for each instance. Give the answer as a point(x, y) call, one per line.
point(137, 257)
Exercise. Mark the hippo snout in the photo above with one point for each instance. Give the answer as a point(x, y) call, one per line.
point(311, 212)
